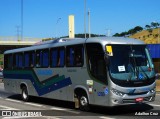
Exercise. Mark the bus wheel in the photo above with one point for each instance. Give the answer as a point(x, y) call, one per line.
point(24, 94)
point(83, 103)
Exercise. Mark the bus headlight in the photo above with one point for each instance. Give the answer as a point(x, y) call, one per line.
point(119, 93)
point(153, 90)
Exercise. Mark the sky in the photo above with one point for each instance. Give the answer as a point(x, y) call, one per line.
point(49, 18)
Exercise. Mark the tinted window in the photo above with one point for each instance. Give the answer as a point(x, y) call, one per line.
point(42, 58)
point(57, 57)
point(74, 56)
point(29, 59)
point(96, 62)
point(8, 61)
point(18, 60)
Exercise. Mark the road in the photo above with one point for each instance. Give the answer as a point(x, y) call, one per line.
point(53, 109)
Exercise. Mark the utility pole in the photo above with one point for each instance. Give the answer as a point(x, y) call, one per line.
point(21, 20)
point(57, 25)
point(17, 27)
point(108, 32)
point(89, 29)
point(85, 18)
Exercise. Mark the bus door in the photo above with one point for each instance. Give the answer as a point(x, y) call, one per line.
point(98, 72)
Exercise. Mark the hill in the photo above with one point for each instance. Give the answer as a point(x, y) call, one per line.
point(148, 36)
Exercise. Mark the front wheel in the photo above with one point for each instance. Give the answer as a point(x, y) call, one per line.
point(83, 103)
point(24, 94)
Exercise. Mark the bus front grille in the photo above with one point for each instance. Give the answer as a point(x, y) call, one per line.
point(145, 99)
point(142, 93)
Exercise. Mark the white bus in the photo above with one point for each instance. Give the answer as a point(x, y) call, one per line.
point(104, 71)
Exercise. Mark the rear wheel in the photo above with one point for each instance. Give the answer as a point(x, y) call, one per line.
point(24, 94)
point(83, 103)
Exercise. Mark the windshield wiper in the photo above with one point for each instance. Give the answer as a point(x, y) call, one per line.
point(144, 73)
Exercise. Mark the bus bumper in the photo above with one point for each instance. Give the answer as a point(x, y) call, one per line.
point(126, 99)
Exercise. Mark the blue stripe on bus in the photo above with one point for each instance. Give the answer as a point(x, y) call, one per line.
point(37, 85)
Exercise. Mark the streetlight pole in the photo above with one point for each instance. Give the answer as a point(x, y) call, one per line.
point(21, 20)
point(89, 29)
point(57, 25)
point(17, 27)
point(85, 18)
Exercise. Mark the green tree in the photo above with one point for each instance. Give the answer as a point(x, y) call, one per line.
point(147, 26)
point(154, 24)
point(138, 28)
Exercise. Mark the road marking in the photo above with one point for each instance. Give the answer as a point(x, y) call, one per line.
point(7, 108)
point(33, 104)
point(154, 105)
point(56, 108)
point(13, 100)
point(63, 109)
point(106, 117)
point(21, 117)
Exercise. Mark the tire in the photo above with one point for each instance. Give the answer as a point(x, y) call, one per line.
point(24, 94)
point(84, 103)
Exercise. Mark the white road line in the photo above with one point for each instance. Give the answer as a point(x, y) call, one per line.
point(7, 108)
point(33, 104)
point(13, 100)
point(74, 112)
point(106, 117)
point(154, 105)
point(56, 108)
point(20, 117)
point(63, 109)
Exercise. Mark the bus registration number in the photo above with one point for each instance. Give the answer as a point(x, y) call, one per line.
point(139, 99)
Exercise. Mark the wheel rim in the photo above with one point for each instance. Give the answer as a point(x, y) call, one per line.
point(83, 101)
point(24, 94)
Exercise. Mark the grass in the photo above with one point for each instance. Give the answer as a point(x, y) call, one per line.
point(147, 37)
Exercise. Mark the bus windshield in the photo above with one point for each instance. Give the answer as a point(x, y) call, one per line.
point(130, 62)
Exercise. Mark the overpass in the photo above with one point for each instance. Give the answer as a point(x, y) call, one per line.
point(12, 42)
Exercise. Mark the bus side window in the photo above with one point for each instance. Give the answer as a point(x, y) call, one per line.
point(45, 58)
point(8, 63)
point(18, 60)
point(75, 56)
point(42, 58)
point(57, 57)
point(29, 59)
point(61, 58)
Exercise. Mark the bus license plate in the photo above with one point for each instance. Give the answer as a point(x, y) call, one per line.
point(139, 99)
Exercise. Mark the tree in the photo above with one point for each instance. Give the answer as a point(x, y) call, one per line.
point(147, 26)
point(154, 24)
point(116, 34)
point(138, 28)
point(131, 31)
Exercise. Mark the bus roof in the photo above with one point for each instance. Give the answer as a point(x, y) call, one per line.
point(69, 41)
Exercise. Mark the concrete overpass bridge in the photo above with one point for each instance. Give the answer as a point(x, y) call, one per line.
point(7, 43)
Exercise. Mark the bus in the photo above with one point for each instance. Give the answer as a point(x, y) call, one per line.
point(102, 71)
